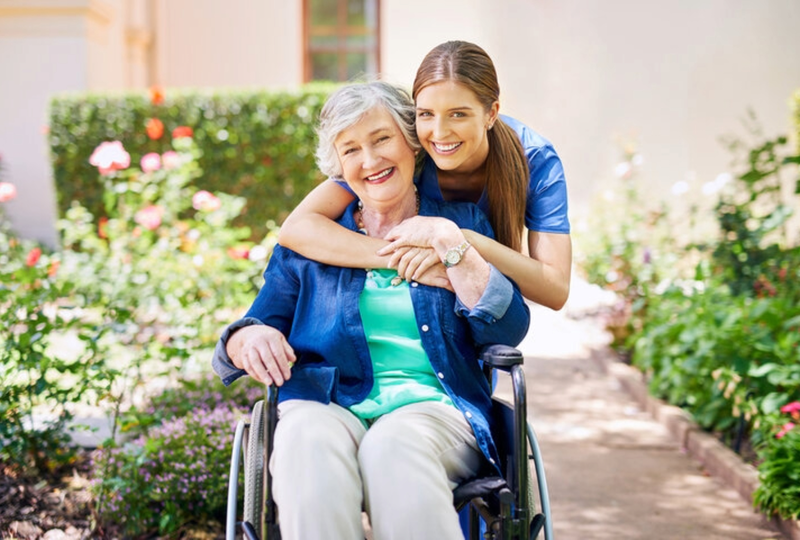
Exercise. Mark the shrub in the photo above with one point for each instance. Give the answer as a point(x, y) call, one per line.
point(174, 475)
point(258, 145)
point(779, 472)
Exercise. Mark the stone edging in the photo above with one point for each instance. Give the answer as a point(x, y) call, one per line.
point(719, 460)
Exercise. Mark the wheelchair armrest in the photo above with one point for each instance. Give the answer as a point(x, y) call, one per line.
point(502, 357)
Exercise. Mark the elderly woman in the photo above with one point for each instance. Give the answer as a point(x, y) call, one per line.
point(383, 404)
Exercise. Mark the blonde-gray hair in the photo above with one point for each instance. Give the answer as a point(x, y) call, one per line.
point(345, 107)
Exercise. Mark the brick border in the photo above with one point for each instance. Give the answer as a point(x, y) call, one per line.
point(719, 460)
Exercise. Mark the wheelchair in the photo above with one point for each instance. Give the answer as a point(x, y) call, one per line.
point(500, 508)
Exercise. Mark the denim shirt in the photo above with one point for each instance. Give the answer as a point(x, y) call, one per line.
point(316, 307)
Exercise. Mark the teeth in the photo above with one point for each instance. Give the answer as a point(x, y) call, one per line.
point(446, 147)
point(380, 175)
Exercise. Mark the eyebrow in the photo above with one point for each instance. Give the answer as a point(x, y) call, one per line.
point(370, 134)
point(453, 109)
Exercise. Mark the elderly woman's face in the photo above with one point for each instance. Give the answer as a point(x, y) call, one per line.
point(377, 162)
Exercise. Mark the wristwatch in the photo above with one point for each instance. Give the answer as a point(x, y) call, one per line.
point(454, 255)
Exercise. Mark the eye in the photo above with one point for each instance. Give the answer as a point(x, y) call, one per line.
point(423, 114)
point(382, 138)
point(459, 114)
point(348, 151)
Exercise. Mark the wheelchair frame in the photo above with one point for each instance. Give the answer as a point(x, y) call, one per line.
point(505, 505)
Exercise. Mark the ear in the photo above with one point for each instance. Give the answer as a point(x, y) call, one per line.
point(493, 113)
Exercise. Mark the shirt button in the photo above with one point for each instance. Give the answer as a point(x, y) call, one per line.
point(440, 375)
point(425, 328)
point(414, 283)
point(468, 415)
point(491, 460)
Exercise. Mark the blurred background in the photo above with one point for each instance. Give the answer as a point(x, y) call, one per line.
point(597, 78)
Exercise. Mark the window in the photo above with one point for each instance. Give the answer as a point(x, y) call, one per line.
point(341, 39)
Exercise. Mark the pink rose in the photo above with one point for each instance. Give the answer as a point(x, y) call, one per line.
point(150, 162)
point(171, 160)
point(239, 252)
point(110, 157)
point(787, 427)
point(149, 217)
point(7, 191)
point(205, 201)
point(33, 256)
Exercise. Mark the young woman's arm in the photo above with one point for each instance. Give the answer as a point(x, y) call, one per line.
point(311, 231)
point(544, 276)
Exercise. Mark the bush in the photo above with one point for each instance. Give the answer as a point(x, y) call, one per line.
point(40, 378)
point(258, 145)
point(174, 475)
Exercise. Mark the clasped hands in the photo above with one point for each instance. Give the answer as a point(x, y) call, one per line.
point(411, 249)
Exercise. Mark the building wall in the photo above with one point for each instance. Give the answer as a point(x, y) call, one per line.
point(46, 47)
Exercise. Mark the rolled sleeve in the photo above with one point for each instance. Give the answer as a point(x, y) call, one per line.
point(494, 302)
point(221, 362)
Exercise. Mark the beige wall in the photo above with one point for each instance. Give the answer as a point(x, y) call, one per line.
point(673, 76)
point(213, 43)
point(46, 47)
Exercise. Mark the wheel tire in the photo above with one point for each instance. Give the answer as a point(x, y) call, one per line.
point(254, 469)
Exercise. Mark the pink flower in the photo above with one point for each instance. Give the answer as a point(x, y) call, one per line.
point(208, 202)
point(150, 162)
point(110, 157)
point(794, 406)
point(33, 256)
point(149, 217)
point(787, 427)
point(793, 409)
point(239, 252)
point(170, 159)
point(7, 191)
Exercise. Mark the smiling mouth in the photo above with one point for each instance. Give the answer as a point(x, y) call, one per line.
point(446, 148)
point(381, 175)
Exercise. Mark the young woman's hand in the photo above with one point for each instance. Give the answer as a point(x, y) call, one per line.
point(421, 231)
point(263, 352)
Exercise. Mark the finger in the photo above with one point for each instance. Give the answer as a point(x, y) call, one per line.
point(397, 256)
point(389, 248)
point(429, 260)
point(254, 367)
point(414, 262)
point(284, 358)
point(405, 261)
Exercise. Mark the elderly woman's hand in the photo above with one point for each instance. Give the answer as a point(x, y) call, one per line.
point(263, 352)
point(421, 231)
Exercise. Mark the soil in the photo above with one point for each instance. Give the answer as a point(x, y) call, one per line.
point(57, 507)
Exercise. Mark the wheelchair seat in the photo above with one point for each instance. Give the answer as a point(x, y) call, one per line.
point(500, 508)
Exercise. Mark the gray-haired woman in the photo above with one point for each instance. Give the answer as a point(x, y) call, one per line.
point(383, 404)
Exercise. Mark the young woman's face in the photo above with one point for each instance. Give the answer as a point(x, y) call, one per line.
point(451, 125)
point(377, 162)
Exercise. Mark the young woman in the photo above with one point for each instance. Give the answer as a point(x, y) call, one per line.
point(474, 154)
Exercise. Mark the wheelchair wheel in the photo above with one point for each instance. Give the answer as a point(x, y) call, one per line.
point(254, 469)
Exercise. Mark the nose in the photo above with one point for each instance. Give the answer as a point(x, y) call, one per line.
point(371, 158)
point(440, 127)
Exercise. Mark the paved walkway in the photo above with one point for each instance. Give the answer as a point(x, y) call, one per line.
point(614, 472)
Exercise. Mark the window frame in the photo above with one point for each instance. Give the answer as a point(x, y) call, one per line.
point(342, 32)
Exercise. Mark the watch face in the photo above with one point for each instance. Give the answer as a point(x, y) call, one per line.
point(452, 257)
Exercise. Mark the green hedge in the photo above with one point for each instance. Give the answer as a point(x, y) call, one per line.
point(258, 144)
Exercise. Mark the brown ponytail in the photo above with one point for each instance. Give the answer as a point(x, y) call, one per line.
point(506, 165)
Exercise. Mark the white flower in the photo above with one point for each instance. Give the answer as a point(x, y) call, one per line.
point(258, 253)
point(679, 188)
point(623, 170)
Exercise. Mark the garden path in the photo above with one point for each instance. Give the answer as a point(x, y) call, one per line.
point(613, 471)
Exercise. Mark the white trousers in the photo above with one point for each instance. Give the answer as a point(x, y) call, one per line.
point(326, 465)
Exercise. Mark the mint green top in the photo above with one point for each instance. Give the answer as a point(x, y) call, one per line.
point(402, 371)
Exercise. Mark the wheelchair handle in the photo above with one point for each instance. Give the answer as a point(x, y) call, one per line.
point(502, 357)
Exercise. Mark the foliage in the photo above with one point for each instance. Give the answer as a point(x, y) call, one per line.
point(779, 472)
point(258, 145)
point(38, 310)
point(714, 321)
point(166, 261)
point(174, 474)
